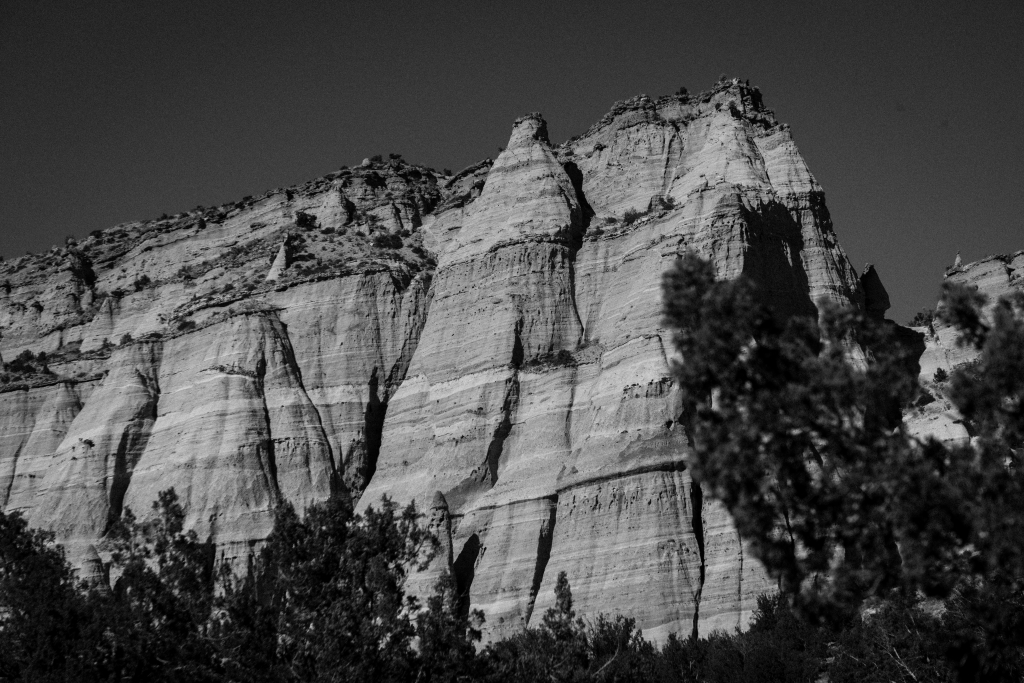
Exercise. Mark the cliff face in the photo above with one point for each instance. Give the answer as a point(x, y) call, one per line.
point(540, 401)
point(509, 356)
point(993, 276)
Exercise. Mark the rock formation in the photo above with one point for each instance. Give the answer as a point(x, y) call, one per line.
point(993, 276)
point(487, 344)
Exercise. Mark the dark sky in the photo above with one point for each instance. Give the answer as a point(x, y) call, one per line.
point(908, 113)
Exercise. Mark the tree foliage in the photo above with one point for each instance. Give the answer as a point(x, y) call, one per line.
point(796, 428)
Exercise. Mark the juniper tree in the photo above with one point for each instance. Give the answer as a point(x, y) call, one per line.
point(796, 428)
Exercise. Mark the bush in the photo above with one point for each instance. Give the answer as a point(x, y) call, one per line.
point(387, 241)
point(126, 339)
point(632, 216)
point(141, 283)
point(304, 220)
point(24, 363)
point(940, 375)
point(922, 318)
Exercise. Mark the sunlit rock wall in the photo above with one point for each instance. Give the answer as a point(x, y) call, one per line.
point(488, 344)
point(540, 401)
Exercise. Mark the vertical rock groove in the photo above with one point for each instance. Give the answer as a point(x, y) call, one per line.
point(508, 407)
point(464, 569)
point(576, 239)
point(544, 541)
point(373, 428)
point(269, 460)
point(128, 452)
point(697, 501)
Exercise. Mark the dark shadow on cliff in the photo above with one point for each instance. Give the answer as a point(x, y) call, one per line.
point(544, 543)
point(773, 260)
point(464, 570)
point(373, 430)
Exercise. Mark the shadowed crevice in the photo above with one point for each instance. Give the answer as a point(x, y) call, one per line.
point(697, 503)
point(464, 570)
point(373, 431)
point(586, 212)
point(267, 456)
point(497, 444)
point(547, 537)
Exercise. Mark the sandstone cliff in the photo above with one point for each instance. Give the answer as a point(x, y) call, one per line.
point(993, 276)
point(487, 344)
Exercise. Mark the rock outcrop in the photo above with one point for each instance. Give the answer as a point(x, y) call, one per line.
point(488, 345)
point(993, 276)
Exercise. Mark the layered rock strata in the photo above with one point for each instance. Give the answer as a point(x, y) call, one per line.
point(540, 399)
point(488, 345)
point(158, 355)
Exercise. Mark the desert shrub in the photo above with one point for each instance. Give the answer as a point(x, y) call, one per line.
point(126, 339)
point(940, 375)
point(22, 364)
point(304, 220)
point(667, 202)
point(560, 358)
point(186, 325)
point(141, 283)
point(632, 216)
point(922, 318)
point(387, 241)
